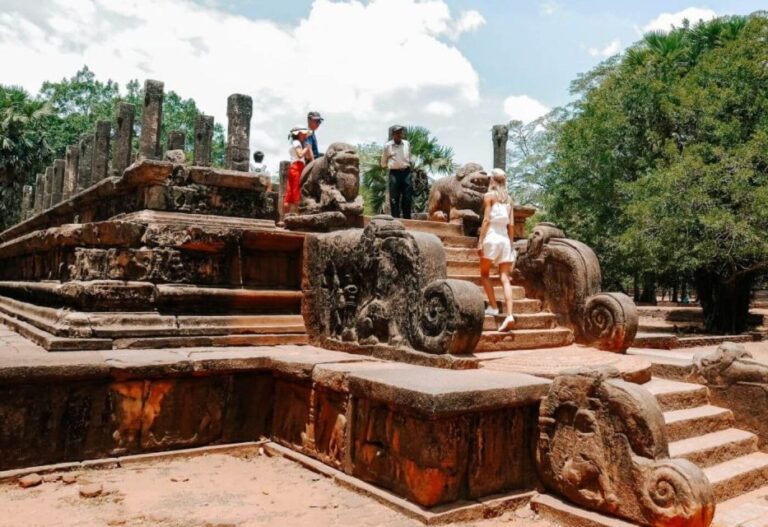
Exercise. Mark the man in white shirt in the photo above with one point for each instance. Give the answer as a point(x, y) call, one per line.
point(397, 159)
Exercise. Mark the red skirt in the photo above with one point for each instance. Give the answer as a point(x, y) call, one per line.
point(293, 182)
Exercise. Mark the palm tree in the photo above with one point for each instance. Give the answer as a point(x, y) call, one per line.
point(23, 148)
point(429, 159)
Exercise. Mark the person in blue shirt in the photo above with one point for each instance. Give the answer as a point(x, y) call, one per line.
point(314, 120)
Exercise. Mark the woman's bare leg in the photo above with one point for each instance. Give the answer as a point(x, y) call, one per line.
point(505, 269)
point(485, 273)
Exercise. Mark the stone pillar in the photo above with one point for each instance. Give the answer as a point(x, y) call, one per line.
point(284, 166)
point(70, 172)
point(57, 188)
point(85, 161)
point(500, 136)
point(151, 120)
point(48, 195)
point(121, 149)
point(176, 140)
point(100, 166)
point(239, 111)
point(26, 203)
point(203, 140)
point(39, 193)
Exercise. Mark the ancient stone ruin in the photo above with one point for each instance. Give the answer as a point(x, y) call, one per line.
point(355, 343)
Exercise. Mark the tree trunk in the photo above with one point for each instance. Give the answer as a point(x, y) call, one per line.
point(636, 289)
point(674, 292)
point(649, 290)
point(725, 304)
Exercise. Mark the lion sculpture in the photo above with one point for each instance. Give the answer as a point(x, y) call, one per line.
point(459, 198)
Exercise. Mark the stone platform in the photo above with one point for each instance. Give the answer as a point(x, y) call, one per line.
point(430, 435)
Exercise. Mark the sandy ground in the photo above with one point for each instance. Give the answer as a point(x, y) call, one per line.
point(215, 490)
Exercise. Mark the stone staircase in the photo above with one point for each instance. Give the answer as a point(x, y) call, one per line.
point(534, 327)
point(706, 435)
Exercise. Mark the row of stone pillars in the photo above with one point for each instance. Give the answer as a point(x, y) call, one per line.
point(89, 162)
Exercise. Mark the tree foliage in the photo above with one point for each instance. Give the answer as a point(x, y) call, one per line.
point(662, 164)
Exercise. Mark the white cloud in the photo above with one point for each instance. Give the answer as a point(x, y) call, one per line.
point(666, 21)
point(608, 51)
point(549, 7)
point(363, 65)
point(442, 109)
point(524, 108)
point(467, 22)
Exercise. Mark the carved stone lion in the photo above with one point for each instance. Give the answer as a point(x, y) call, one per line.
point(459, 198)
point(602, 446)
point(330, 191)
point(385, 286)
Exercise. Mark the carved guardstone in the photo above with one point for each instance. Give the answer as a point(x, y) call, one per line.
point(330, 188)
point(602, 446)
point(385, 286)
point(500, 136)
point(459, 198)
point(565, 275)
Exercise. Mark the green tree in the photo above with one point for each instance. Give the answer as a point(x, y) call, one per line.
point(429, 159)
point(23, 147)
point(662, 163)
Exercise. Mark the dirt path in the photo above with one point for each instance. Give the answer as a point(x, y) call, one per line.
point(214, 490)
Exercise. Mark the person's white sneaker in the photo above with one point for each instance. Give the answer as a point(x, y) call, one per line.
point(491, 311)
point(505, 326)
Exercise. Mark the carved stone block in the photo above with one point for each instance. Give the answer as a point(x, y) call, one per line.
point(565, 275)
point(602, 445)
point(385, 286)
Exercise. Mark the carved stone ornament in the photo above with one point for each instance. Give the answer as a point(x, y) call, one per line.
point(386, 286)
point(602, 446)
point(459, 198)
point(729, 364)
point(565, 275)
point(330, 192)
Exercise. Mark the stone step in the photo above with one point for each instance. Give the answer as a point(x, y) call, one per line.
point(738, 476)
point(473, 277)
point(690, 422)
point(267, 339)
point(437, 228)
point(518, 293)
point(716, 447)
point(542, 320)
point(462, 254)
point(524, 339)
point(674, 395)
point(460, 241)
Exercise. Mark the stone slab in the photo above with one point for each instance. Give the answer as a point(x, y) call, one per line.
point(434, 391)
point(549, 363)
point(567, 515)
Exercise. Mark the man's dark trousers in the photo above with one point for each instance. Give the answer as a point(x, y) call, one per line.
point(400, 192)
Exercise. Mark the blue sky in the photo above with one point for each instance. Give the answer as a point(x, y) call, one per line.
point(455, 66)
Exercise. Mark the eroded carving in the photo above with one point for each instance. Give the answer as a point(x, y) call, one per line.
point(565, 275)
point(459, 198)
point(385, 286)
point(602, 446)
point(330, 192)
point(729, 364)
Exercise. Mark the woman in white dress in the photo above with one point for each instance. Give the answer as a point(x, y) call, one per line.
point(495, 244)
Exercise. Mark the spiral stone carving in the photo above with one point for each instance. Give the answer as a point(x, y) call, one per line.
point(602, 445)
point(675, 489)
point(610, 321)
point(451, 317)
